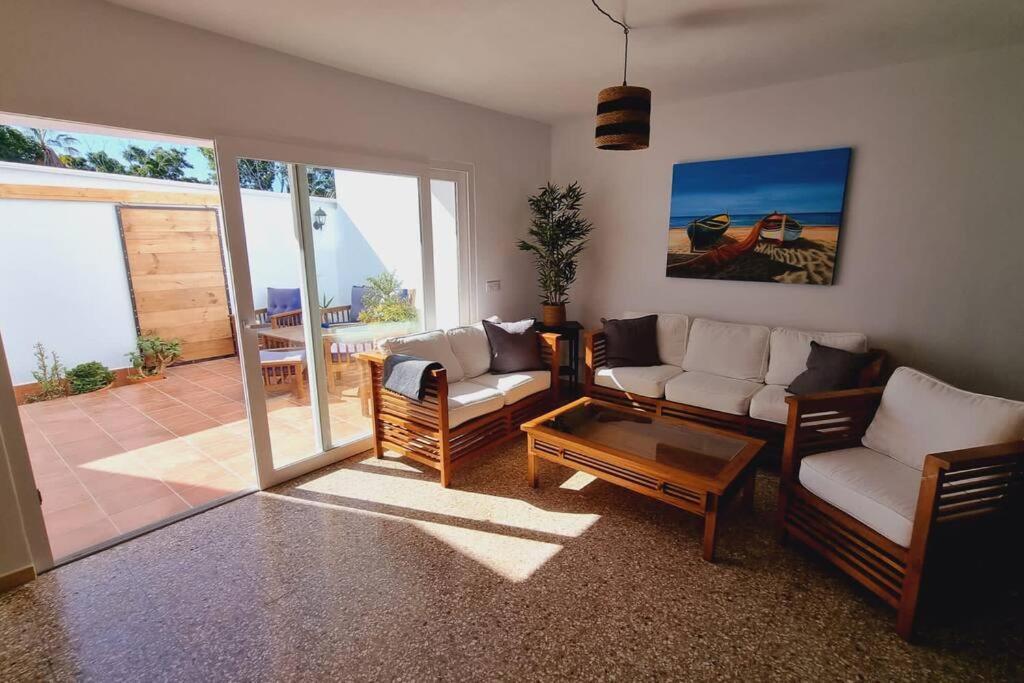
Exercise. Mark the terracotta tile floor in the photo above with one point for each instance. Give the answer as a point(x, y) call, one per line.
point(114, 461)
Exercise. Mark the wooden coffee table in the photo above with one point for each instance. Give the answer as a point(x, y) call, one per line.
point(680, 463)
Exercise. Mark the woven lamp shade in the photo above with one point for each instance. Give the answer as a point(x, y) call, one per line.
point(623, 118)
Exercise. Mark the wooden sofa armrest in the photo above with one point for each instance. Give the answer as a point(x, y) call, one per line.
point(594, 351)
point(824, 422)
point(429, 415)
point(551, 354)
point(992, 455)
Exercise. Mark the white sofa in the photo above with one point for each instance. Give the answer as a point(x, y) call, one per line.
point(868, 474)
point(466, 356)
point(728, 372)
point(466, 409)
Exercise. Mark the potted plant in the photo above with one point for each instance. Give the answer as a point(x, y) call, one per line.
point(384, 301)
point(87, 377)
point(151, 357)
point(558, 235)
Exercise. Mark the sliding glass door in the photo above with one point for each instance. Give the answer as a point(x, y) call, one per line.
point(330, 254)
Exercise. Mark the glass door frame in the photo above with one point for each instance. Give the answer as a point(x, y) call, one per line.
point(462, 176)
point(228, 151)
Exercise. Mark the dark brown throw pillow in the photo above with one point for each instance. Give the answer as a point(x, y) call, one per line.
point(829, 369)
point(514, 346)
point(631, 342)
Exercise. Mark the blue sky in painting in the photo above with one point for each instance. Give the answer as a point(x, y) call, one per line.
point(803, 182)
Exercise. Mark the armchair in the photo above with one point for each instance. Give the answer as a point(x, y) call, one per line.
point(878, 480)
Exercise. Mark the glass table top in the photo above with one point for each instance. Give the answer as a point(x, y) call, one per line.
point(691, 449)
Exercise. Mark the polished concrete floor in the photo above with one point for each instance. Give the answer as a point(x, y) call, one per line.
point(370, 571)
point(113, 461)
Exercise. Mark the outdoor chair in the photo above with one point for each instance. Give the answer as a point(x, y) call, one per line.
point(283, 369)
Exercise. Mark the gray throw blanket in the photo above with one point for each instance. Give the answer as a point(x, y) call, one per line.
point(407, 375)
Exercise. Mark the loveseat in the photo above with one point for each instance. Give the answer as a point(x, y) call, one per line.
point(466, 409)
point(889, 484)
point(726, 374)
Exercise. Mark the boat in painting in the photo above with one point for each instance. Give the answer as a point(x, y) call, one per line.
point(705, 232)
point(778, 227)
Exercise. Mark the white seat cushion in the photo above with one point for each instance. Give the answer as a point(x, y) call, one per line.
point(467, 400)
point(714, 392)
point(647, 381)
point(431, 346)
point(470, 346)
point(872, 488)
point(769, 404)
point(672, 329)
point(727, 349)
point(788, 351)
point(516, 385)
point(920, 415)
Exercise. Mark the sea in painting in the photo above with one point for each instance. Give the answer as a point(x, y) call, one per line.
point(773, 218)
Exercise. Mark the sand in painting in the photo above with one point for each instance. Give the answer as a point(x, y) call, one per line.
point(809, 260)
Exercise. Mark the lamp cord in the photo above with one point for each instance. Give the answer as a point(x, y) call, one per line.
point(625, 31)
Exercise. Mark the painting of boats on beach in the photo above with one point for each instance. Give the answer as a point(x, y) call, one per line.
point(773, 218)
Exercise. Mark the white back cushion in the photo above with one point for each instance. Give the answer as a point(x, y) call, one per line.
point(920, 415)
point(431, 346)
point(672, 330)
point(727, 349)
point(470, 346)
point(789, 349)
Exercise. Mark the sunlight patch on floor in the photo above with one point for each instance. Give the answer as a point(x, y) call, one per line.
point(513, 558)
point(577, 481)
point(428, 496)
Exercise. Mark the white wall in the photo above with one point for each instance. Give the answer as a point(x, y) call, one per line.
point(932, 250)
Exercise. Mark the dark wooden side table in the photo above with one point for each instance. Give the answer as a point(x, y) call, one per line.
point(568, 331)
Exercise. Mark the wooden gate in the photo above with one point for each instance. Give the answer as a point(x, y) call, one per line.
point(176, 277)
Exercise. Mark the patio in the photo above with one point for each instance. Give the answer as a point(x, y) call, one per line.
point(113, 461)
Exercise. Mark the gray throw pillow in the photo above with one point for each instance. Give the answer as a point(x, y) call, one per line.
point(632, 342)
point(829, 369)
point(514, 346)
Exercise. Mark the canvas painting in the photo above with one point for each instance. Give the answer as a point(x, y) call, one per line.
point(772, 218)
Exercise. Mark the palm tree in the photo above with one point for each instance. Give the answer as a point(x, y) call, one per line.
point(54, 144)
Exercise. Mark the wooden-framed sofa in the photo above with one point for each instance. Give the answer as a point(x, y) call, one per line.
point(466, 410)
point(727, 375)
point(887, 483)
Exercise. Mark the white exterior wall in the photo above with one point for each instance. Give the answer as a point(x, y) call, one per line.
point(64, 275)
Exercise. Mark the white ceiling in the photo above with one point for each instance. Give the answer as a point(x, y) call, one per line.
point(546, 59)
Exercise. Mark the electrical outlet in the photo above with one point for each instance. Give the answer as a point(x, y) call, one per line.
point(494, 285)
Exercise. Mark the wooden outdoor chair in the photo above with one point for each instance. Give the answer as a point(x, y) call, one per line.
point(887, 483)
point(283, 369)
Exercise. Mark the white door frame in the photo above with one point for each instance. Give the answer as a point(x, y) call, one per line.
point(462, 176)
point(228, 151)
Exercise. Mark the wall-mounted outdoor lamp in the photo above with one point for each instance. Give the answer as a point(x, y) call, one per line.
point(319, 219)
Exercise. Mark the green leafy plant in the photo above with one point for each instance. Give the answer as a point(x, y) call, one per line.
point(559, 233)
point(90, 376)
point(383, 301)
point(326, 301)
point(49, 374)
point(152, 355)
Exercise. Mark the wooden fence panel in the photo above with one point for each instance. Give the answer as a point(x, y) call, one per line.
point(177, 279)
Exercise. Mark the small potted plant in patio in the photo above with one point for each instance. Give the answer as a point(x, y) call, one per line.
point(558, 235)
point(151, 357)
point(85, 378)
